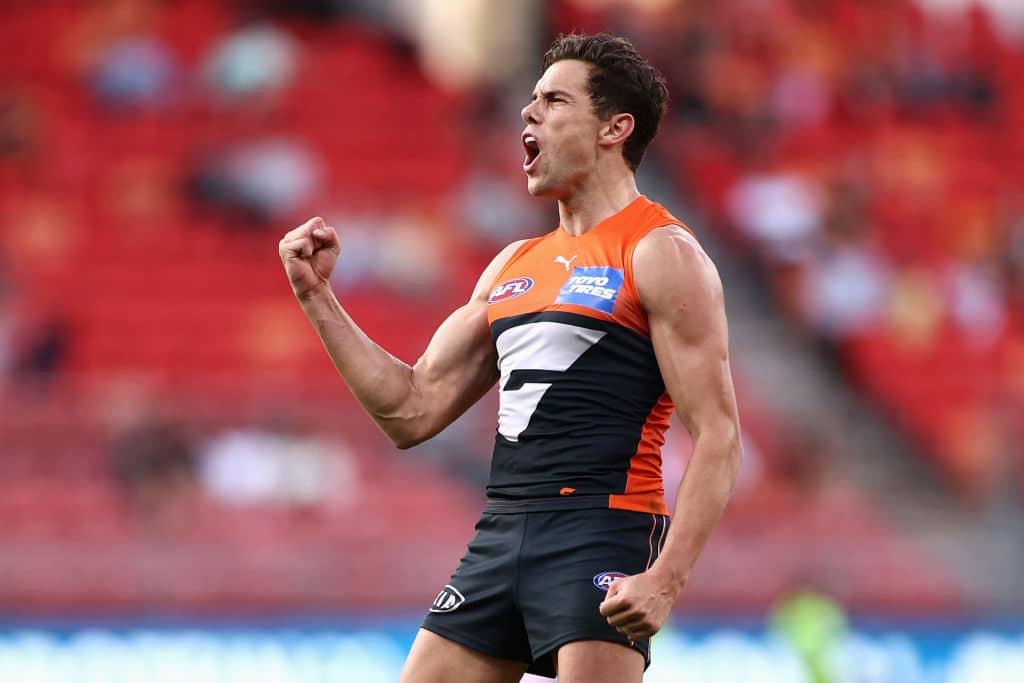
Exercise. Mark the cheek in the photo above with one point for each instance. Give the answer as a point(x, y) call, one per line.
point(577, 151)
point(572, 147)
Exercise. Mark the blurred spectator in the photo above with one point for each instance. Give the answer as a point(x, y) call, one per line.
point(21, 129)
point(155, 464)
point(43, 355)
point(779, 209)
point(915, 309)
point(357, 271)
point(814, 625)
point(401, 253)
point(977, 303)
point(137, 72)
point(259, 58)
point(106, 34)
point(411, 257)
point(312, 10)
point(255, 182)
point(848, 276)
point(284, 466)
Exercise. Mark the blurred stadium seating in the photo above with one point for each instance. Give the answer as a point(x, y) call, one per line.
point(863, 160)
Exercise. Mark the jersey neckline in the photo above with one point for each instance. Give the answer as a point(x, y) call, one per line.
point(628, 208)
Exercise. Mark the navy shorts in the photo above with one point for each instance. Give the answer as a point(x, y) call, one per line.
point(531, 582)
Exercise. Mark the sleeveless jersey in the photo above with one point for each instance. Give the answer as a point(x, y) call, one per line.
point(583, 407)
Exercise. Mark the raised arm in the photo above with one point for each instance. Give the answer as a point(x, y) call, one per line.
point(680, 289)
point(411, 404)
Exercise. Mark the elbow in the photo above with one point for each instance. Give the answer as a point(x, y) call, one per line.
point(402, 436)
point(403, 424)
point(727, 440)
point(405, 433)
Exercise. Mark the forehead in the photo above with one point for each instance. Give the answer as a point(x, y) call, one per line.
point(567, 75)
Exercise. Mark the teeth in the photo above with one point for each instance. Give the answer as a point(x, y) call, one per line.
point(530, 140)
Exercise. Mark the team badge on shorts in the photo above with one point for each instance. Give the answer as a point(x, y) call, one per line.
point(448, 600)
point(604, 579)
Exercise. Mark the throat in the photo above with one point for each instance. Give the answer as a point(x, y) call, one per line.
point(581, 212)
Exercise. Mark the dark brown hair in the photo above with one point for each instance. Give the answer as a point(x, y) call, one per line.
point(621, 81)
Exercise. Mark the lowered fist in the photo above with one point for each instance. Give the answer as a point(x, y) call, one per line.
point(638, 606)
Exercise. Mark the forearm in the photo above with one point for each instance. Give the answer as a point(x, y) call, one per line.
point(700, 501)
point(380, 382)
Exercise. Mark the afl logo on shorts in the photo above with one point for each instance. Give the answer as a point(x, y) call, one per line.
point(604, 579)
point(510, 289)
point(448, 600)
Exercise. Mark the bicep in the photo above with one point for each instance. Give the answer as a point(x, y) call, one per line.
point(460, 363)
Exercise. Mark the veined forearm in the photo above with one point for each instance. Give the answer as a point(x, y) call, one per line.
point(700, 501)
point(378, 380)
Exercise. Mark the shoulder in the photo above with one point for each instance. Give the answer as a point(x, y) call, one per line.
point(494, 268)
point(672, 270)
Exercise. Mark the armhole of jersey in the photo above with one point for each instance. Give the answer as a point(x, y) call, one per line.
point(630, 284)
point(511, 259)
point(631, 289)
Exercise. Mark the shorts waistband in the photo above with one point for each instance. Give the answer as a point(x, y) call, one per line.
point(509, 506)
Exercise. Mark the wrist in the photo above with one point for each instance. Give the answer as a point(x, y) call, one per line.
point(671, 577)
point(317, 291)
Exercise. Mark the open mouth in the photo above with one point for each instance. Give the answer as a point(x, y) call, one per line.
point(532, 152)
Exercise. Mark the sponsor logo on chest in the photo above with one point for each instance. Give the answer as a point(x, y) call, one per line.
point(595, 287)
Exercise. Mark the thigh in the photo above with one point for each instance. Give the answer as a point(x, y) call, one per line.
point(569, 559)
point(595, 661)
point(477, 607)
point(434, 659)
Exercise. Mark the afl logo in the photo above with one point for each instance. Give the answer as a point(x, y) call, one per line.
point(448, 600)
point(510, 289)
point(604, 579)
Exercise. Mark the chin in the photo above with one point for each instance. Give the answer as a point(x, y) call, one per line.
point(538, 188)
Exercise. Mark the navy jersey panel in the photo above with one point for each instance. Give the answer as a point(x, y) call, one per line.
point(570, 419)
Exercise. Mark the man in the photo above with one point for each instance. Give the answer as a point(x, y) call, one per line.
point(595, 330)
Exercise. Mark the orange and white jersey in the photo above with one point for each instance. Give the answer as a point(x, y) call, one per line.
point(583, 407)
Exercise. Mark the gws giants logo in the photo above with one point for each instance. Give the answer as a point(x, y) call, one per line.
point(604, 579)
point(448, 600)
point(510, 289)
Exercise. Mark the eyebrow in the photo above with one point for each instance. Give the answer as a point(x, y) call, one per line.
point(548, 94)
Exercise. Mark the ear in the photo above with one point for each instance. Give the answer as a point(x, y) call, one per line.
point(616, 130)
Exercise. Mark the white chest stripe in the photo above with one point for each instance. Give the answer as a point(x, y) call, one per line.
point(545, 345)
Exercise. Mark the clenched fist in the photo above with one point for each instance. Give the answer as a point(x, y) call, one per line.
point(309, 253)
point(638, 606)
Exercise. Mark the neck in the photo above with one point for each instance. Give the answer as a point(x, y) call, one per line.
point(595, 201)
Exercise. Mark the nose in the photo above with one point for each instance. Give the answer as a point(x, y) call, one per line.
point(529, 113)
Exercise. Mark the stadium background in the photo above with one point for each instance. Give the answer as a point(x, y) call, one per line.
point(189, 491)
